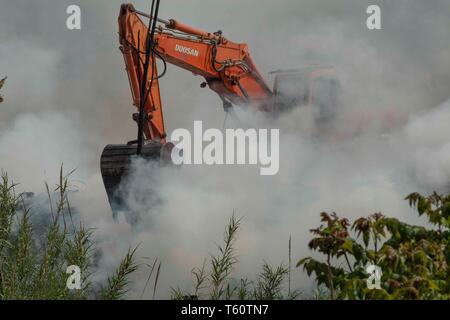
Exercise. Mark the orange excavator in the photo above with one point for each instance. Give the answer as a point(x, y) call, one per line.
point(227, 68)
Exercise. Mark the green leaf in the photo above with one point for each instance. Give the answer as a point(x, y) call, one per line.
point(303, 261)
point(423, 205)
point(366, 238)
point(348, 245)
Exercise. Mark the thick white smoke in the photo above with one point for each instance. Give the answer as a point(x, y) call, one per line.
point(354, 177)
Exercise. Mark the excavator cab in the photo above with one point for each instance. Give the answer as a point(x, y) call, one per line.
point(313, 86)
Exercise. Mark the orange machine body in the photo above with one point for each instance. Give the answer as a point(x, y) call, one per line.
point(226, 66)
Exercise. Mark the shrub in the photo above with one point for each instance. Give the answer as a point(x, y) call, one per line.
point(33, 266)
point(217, 283)
point(414, 260)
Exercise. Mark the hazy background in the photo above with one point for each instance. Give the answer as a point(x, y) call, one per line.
point(67, 95)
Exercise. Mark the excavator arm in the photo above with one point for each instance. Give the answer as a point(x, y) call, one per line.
point(227, 69)
point(226, 66)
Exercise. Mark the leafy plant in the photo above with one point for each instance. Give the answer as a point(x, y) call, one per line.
point(218, 283)
point(33, 266)
point(117, 284)
point(414, 260)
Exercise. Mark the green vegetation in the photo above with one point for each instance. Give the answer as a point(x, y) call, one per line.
point(414, 260)
point(33, 266)
point(216, 281)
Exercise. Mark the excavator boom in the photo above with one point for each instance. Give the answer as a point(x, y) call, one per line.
point(226, 67)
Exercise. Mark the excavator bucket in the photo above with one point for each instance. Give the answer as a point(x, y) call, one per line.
point(116, 166)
